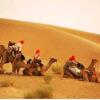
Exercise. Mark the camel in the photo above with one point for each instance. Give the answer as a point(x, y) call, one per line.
point(89, 74)
point(6, 57)
point(32, 69)
point(82, 73)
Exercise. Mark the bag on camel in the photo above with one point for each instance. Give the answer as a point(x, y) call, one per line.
point(80, 66)
point(22, 57)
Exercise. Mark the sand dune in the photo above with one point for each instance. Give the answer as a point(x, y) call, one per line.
point(53, 41)
point(90, 36)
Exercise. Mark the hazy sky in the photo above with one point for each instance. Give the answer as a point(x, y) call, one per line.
point(78, 14)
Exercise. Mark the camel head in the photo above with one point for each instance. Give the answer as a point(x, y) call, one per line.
point(94, 60)
point(52, 60)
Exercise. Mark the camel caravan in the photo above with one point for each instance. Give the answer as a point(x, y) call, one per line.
point(72, 68)
point(13, 55)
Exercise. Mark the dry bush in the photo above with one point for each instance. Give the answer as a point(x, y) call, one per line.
point(47, 79)
point(41, 93)
point(57, 68)
point(6, 83)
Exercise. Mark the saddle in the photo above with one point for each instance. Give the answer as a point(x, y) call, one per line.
point(38, 62)
point(29, 61)
point(22, 57)
point(80, 66)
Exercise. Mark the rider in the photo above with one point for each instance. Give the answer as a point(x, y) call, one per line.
point(72, 60)
point(70, 66)
point(37, 58)
point(16, 47)
point(18, 50)
point(19, 46)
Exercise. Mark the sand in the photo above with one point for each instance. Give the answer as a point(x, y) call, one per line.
point(54, 42)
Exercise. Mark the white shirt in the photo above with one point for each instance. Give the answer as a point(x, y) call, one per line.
point(18, 46)
point(37, 56)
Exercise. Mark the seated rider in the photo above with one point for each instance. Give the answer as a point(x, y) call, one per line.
point(18, 47)
point(71, 62)
point(74, 63)
point(37, 59)
point(71, 67)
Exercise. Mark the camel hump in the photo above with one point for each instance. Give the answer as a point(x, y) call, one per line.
point(2, 48)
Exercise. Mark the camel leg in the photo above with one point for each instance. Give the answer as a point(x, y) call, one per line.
point(13, 70)
point(1, 68)
point(30, 72)
point(85, 75)
point(27, 72)
point(93, 78)
point(3, 61)
point(17, 71)
point(96, 77)
point(97, 74)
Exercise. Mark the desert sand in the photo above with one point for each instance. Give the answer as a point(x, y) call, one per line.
point(54, 42)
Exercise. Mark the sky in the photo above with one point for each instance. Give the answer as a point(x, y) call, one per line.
point(78, 14)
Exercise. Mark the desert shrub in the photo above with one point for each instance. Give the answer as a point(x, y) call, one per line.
point(6, 83)
point(41, 93)
point(47, 78)
point(57, 68)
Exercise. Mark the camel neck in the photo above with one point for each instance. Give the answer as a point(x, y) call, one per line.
point(92, 65)
point(49, 64)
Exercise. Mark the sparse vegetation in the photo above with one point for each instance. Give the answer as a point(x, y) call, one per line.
point(41, 93)
point(56, 68)
point(6, 83)
point(47, 79)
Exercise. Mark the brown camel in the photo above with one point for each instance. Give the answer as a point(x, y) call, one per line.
point(6, 57)
point(32, 69)
point(90, 74)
